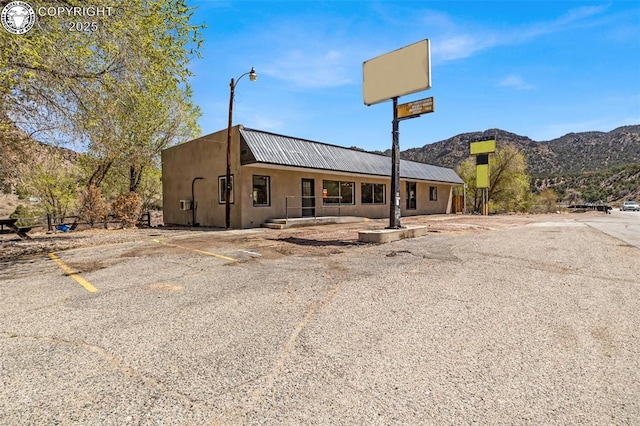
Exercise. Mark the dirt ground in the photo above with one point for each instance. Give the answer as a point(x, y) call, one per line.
point(318, 240)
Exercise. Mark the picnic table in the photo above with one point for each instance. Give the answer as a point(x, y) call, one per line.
point(8, 226)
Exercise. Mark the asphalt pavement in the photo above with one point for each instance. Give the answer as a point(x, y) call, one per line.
point(622, 225)
point(531, 323)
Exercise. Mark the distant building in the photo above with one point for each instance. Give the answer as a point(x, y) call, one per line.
point(275, 176)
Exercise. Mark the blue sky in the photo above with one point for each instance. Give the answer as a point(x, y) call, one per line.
point(536, 68)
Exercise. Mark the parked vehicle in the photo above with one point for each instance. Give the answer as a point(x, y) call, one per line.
point(630, 205)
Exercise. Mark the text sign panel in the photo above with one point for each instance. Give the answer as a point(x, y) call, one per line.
point(482, 147)
point(416, 108)
point(398, 73)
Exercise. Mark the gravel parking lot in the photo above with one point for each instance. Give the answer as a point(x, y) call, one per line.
point(499, 320)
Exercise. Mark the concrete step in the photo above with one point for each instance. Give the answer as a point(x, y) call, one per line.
point(272, 225)
point(281, 221)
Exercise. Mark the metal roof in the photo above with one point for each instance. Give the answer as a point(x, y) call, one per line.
point(270, 148)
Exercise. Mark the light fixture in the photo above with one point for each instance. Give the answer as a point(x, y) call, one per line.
point(227, 203)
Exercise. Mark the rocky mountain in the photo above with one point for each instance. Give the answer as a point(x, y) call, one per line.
point(18, 150)
point(573, 153)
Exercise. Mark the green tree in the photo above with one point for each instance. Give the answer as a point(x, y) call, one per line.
point(150, 189)
point(127, 136)
point(120, 91)
point(508, 181)
point(49, 180)
point(26, 216)
point(544, 202)
point(467, 171)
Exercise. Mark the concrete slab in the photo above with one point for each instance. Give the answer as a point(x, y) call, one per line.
point(380, 236)
point(271, 225)
point(311, 221)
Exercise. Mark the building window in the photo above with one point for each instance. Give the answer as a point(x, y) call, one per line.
point(337, 192)
point(221, 190)
point(433, 193)
point(372, 193)
point(411, 195)
point(261, 194)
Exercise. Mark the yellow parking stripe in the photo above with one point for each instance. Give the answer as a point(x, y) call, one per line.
point(219, 256)
point(84, 283)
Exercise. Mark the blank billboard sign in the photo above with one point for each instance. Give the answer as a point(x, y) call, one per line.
point(398, 73)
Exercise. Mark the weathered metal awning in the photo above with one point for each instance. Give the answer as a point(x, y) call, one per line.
point(270, 148)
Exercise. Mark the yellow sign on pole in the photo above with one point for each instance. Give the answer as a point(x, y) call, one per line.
point(482, 176)
point(416, 108)
point(482, 147)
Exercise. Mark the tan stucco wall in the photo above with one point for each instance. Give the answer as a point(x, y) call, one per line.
point(289, 182)
point(423, 204)
point(203, 157)
point(206, 157)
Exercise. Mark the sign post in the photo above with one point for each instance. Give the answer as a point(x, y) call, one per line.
point(481, 149)
point(394, 212)
point(387, 77)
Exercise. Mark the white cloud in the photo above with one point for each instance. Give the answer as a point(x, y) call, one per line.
point(310, 54)
point(329, 53)
point(516, 82)
point(456, 47)
point(311, 68)
point(580, 13)
point(266, 123)
point(456, 41)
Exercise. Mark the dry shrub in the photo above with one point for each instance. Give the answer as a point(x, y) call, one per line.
point(127, 209)
point(93, 208)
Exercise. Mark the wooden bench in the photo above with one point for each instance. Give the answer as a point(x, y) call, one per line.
point(8, 226)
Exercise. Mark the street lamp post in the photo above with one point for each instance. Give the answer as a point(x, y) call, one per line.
point(227, 202)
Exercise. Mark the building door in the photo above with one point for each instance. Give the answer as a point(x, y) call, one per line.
point(411, 195)
point(308, 198)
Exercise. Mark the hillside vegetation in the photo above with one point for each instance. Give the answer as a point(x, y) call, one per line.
point(569, 154)
point(580, 167)
point(610, 185)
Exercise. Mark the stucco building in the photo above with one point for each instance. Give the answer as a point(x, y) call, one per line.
point(275, 176)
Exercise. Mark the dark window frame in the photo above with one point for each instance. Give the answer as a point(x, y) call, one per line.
point(253, 190)
point(372, 193)
point(433, 193)
point(221, 190)
point(331, 199)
